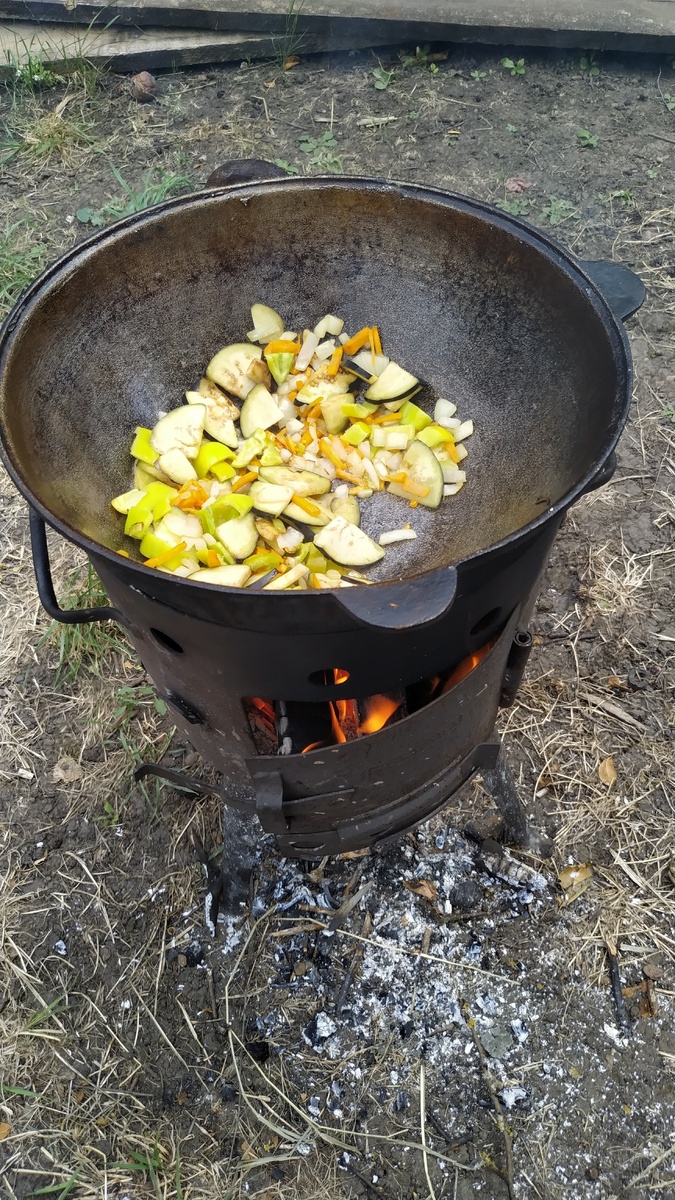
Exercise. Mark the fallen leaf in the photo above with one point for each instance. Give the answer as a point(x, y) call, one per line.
point(438, 56)
point(79, 1096)
point(615, 682)
point(67, 770)
point(5, 1130)
point(425, 888)
point(517, 185)
point(271, 84)
point(574, 880)
point(607, 771)
point(573, 875)
point(353, 854)
point(290, 62)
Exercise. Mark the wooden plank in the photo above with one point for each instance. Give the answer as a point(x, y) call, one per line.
point(146, 49)
point(643, 25)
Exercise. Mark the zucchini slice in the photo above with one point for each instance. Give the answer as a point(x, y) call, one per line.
point(303, 483)
point(181, 429)
point(177, 466)
point(267, 324)
point(235, 576)
point(270, 498)
point(231, 368)
point(259, 411)
point(347, 544)
point(238, 535)
point(424, 471)
point(393, 383)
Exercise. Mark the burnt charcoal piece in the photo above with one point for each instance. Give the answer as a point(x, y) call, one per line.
point(466, 895)
point(401, 1102)
point(320, 1028)
point(259, 1051)
point(228, 1093)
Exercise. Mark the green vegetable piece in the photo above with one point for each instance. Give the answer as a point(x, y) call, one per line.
point(280, 365)
point(155, 504)
point(434, 435)
point(262, 561)
point(411, 414)
point(252, 446)
point(356, 411)
point(228, 508)
point(356, 433)
point(271, 457)
point(152, 545)
point(141, 448)
point(209, 454)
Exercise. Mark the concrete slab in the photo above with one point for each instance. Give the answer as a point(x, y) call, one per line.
point(644, 25)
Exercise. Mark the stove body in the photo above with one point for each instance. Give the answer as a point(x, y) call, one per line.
point(338, 797)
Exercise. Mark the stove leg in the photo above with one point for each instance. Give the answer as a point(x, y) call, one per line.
point(501, 785)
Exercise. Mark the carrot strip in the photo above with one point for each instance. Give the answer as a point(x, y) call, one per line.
point(414, 504)
point(330, 453)
point(386, 419)
point(281, 347)
point(451, 451)
point(166, 555)
point(314, 410)
point(398, 477)
point(293, 394)
point(335, 360)
point(357, 341)
point(243, 480)
point(191, 495)
point(212, 558)
point(415, 489)
point(306, 505)
point(377, 343)
point(350, 478)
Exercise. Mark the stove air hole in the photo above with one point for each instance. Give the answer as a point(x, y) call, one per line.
point(167, 642)
point(485, 622)
point(330, 677)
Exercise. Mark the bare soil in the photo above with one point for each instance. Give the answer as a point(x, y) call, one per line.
point(140, 1058)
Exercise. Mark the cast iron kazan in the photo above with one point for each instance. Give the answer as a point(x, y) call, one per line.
point(490, 312)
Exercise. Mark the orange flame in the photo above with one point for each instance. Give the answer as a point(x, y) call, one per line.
point(466, 666)
point(378, 711)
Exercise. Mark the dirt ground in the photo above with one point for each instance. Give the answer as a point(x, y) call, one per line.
point(403, 1054)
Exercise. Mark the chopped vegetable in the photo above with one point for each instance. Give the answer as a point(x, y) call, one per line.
point(393, 383)
point(396, 535)
point(218, 490)
point(347, 544)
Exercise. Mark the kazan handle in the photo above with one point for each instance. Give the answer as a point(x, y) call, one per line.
point(621, 288)
point(401, 605)
point(45, 585)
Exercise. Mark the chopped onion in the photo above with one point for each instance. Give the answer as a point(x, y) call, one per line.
point(323, 467)
point(381, 468)
point(325, 350)
point(451, 489)
point(288, 411)
point(364, 493)
point(286, 455)
point(452, 474)
point(461, 452)
point(307, 350)
point(294, 426)
point(375, 364)
point(465, 430)
point(329, 324)
point(371, 474)
point(343, 337)
point(289, 541)
point(341, 490)
point(444, 411)
point(396, 535)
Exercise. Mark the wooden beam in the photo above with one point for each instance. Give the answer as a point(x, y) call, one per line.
point(124, 49)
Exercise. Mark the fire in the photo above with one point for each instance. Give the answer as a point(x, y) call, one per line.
point(378, 711)
point(466, 666)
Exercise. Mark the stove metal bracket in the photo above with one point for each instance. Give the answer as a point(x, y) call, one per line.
point(269, 802)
